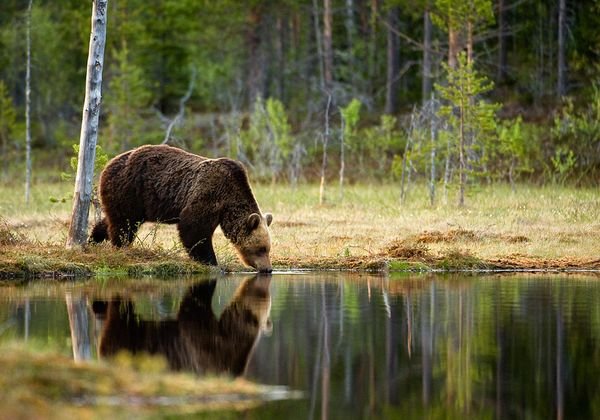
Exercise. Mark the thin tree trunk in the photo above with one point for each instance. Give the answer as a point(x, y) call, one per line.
point(280, 46)
point(328, 45)
point(350, 34)
point(469, 42)
point(89, 127)
point(372, 46)
point(393, 62)
point(447, 170)
point(433, 138)
point(28, 108)
point(319, 43)
point(255, 78)
point(501, 71)
point(426, 85)
point(324, 162)
point(404, 176)
point(561, 88)
point(462, 157)
point(177, 119)
point(342, 163)
point(454, 46)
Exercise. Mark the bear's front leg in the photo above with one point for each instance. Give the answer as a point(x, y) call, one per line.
point(198, 242)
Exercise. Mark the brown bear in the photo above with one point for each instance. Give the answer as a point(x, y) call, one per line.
point(196, 340)
point(168, 185)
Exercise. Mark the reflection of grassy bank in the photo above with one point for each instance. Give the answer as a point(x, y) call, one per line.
point(535, 227)
point(51, 386)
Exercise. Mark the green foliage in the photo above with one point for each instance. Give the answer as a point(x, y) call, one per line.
point(7, 115)
point(471, 120)
point(376, 146)
point(99, 163)
point(127, 97)
point(351, 116)
point(563, 163)
point(456, 13)
point(576, 136)
point(268, 142)
point(269, 48)
point(516, 149)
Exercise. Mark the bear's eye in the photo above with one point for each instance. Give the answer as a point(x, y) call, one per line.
point(262, 250)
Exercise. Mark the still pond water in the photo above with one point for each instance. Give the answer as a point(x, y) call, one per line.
point(510, 346)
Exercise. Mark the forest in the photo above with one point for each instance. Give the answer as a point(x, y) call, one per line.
point(449, 93)
point(431, 168)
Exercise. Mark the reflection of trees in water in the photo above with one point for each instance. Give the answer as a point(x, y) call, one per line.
point(489, 347)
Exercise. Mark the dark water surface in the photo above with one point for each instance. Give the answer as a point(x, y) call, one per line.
point(510, 346)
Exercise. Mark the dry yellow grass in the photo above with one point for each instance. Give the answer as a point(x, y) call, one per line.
point(545, 227)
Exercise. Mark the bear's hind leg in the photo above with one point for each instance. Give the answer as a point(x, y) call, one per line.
point(99, 232)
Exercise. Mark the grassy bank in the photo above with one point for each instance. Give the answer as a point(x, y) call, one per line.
point(44, 385)
point(368, 228)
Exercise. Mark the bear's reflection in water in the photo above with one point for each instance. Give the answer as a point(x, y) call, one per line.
point(196, 340)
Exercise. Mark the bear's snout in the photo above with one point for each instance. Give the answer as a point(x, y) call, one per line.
point(263, 266)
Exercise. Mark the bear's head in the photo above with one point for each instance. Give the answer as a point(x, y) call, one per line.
point(255, 245)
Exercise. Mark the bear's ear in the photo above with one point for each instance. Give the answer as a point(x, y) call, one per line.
point(269, 218)
point(253, 221)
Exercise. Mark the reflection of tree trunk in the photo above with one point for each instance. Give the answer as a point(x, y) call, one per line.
point(559, 365)
point(78, 322)
point(27, 318)
point(426, 367)
point(393, 62)
point(408, 325)
point(325, 375)
point(499, 345)
point(389, 350)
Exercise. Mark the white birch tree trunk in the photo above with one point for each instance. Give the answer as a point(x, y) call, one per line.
point(28, 108)
point(89, 127)
point(324, 162)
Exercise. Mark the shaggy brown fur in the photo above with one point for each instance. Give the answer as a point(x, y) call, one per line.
point(196, 341)
point(168, 185)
